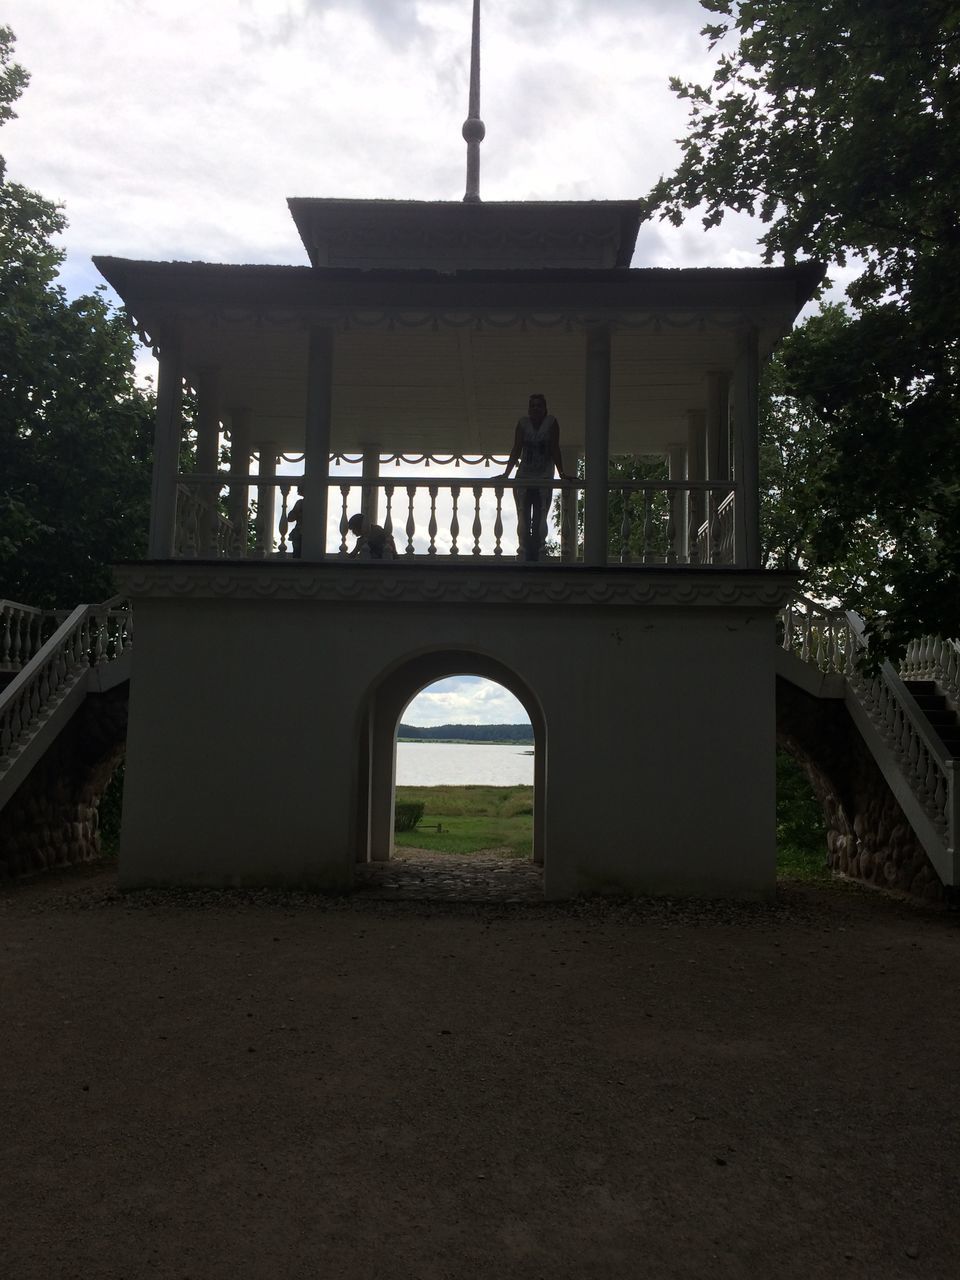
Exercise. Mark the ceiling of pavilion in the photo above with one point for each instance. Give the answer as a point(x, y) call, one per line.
point(444, 362)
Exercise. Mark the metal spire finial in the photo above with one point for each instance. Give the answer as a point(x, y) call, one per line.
point(473, 126)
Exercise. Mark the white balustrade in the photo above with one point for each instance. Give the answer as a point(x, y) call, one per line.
point(23, 628)
point(661, 522)
point(835, 641)
point(90, 636)
point(936, 659)
point(202, 531)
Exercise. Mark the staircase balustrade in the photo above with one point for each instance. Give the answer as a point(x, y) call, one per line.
point(91, 635)
point(835, 641)
point(23, 630)
point(936, 659)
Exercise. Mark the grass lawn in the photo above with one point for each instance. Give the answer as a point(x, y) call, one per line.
point(472, 818)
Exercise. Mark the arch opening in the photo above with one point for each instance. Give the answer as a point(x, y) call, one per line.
point(483, 797)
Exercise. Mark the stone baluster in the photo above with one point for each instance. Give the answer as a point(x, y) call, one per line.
point(879, 711)
point(344, 518)
point(674, 499)
point(5, 639)
point(411, 522)
point(916, 655)
point(477, 523)
point(693, 531)
point(933, 653)
point(821, 655)
point(951, 672)
point(938, 783)
point(926, 771)
point(626, 527)
point(937, 658)
point(45, 682)
point(454, 520)
point(913, 756)
point(388, 514)
point(649, 528)
point(897, 725)
point(919, 662)
point(849, 667)
point(920, 659)
point(432, 522)
point(716, 531)
point(786, 640)
point(284, 523)
point(498, 522)
point(805, 642)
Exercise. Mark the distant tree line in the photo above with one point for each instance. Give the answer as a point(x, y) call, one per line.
point(466, 733)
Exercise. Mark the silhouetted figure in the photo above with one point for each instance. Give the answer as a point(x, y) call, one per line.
point(536, 447)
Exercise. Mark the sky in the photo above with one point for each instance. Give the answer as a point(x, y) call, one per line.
point(171, 129)
point(176, 129)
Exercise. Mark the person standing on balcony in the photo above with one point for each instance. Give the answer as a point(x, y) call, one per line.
point(536, 447)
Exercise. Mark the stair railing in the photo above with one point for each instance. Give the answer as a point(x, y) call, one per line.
point(835, 641)
point(936, 659)
point(91, 635)
point(23, 629)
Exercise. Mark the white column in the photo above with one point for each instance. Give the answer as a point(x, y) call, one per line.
point(267, 497)
point(596, 445)
point(746, 449)
point(696, 470)
point(718, 428)
point(208, 455)
point(166, 450)
point(370, 502)
point(241, 445)
point(677, 464)
point(316, 463)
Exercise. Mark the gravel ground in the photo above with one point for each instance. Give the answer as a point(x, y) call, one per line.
point(220, 1085)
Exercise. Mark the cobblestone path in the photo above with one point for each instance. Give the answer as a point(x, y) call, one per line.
point(476, 877)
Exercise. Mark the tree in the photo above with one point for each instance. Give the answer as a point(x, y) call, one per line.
point(75, 430)
point(836, 124)
point(797, 471)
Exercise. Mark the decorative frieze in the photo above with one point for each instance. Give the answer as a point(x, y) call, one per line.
point(401, 582)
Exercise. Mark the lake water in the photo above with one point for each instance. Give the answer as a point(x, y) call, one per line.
point(457, 764)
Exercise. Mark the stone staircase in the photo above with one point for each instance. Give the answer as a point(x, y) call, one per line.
point(51, 663)
point(941, 717)
point(907, 717)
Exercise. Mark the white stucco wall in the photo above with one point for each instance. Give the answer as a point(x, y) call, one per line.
point(244, 760)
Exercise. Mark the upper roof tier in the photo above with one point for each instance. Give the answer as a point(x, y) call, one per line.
point(447, 235)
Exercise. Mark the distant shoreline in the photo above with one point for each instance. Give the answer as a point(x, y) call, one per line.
point(498, 735)
point(471, 742)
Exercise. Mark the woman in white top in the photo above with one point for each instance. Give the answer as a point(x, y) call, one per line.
point(536, 447)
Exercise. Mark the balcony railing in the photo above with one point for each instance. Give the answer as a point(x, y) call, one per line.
point(657, 522)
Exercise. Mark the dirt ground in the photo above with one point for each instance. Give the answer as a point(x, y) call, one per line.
point(212, 1086)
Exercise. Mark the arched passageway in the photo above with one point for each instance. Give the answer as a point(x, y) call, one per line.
point(385, 706)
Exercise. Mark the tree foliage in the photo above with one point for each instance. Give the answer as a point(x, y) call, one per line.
point(75, 429)
point(836, 125)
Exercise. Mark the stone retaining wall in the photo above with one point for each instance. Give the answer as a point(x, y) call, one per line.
point(868, 836)
point(53, 820)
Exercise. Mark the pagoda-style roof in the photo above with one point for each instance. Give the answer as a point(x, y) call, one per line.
point(449, 235)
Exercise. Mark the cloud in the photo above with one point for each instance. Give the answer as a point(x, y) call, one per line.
point(464, 700)
point(175, 130)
